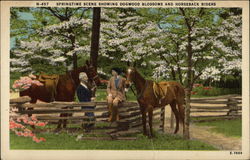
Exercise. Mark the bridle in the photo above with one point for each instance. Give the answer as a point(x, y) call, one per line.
point(95, 77)
point(142, 91)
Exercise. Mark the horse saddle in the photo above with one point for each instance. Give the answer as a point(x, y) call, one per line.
point(161, 90)
point(50, 83)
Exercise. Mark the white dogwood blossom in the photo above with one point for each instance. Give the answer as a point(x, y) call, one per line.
point(53, 44)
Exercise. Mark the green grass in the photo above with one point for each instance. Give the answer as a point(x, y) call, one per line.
point(65, 141)
point(230, 128)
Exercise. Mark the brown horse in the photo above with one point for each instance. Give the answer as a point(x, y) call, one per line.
point(151, 95)
point(65, 89)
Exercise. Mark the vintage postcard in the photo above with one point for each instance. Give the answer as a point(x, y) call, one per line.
point(125, 79)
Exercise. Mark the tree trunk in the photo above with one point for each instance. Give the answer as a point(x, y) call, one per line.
point(73, 39)
point(180, 75)
point(95, 36)
point(188, 87)
point(74, 61)
point(173, 73)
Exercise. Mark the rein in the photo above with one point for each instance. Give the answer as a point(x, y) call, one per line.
point(132, 90)
point(139, 95)
point(146, 84)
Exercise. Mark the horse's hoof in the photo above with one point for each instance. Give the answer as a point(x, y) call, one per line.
point(57, 130)
point(150, 137)
point(175, 132)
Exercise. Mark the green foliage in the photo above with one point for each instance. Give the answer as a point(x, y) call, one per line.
point(214, 91)
point(14, 76)
point(231, 128)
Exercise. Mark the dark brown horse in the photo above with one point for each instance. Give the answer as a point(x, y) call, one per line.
point(151, 95)
point(65, 89)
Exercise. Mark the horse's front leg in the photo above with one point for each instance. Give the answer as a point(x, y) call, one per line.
point(67, 115)
point(150, 121)
point(144, 119)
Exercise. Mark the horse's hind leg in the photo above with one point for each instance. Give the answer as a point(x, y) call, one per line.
point(176, 113)
point(59, 122)
point(65, 120)
point(182, 116)
point(144, 120)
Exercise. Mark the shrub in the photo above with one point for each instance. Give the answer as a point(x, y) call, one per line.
point(20, 126)
point(201, 90)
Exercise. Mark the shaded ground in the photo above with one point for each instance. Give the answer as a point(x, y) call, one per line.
point(205, 134)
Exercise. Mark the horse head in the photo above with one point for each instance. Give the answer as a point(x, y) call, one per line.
point(130, 76)
point(91, 72)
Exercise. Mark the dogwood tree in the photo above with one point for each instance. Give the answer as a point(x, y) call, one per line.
point(205, 46)
point(195, 43)
point(124, 36)
point(54, 44)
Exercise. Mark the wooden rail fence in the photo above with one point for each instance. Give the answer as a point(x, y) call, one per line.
point(129, 123)
point(211, 109)
point(202, 109)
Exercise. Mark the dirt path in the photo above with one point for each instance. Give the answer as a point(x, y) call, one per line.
point(204, 134)
point(220, 141)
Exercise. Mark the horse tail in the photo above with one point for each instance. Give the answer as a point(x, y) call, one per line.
point(181, 101)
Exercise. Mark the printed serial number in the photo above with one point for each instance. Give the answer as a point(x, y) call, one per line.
point(42, 4)
point(233, 153)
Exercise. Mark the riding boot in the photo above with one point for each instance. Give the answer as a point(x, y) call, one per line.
point(110, 112)
point(117, 117)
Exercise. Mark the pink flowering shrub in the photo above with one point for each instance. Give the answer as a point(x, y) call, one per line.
point(25, 82)
point(197, 85)
point(19, 127)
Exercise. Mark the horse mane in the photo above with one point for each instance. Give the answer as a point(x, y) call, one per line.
point(74, 74)
point(138, 74)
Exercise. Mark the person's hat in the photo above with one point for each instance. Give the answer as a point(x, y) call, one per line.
point(117, 70)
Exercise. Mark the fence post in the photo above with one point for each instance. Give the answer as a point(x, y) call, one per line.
point(18, 102)
point(232, 105)
point(162, 118)
point(187, 114)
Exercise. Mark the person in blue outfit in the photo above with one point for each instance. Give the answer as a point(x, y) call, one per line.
point(84, 94)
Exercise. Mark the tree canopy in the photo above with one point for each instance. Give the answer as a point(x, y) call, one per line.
point(164, 43)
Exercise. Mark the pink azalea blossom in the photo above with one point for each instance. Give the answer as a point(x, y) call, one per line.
point(31, 134)
point(21, 130)
point(25, 120)
point(25, 82)
point(33, 118)
point(19, 133)
point(41, 124)
point(26, 134)
point(42, 139)
point(31, 123)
